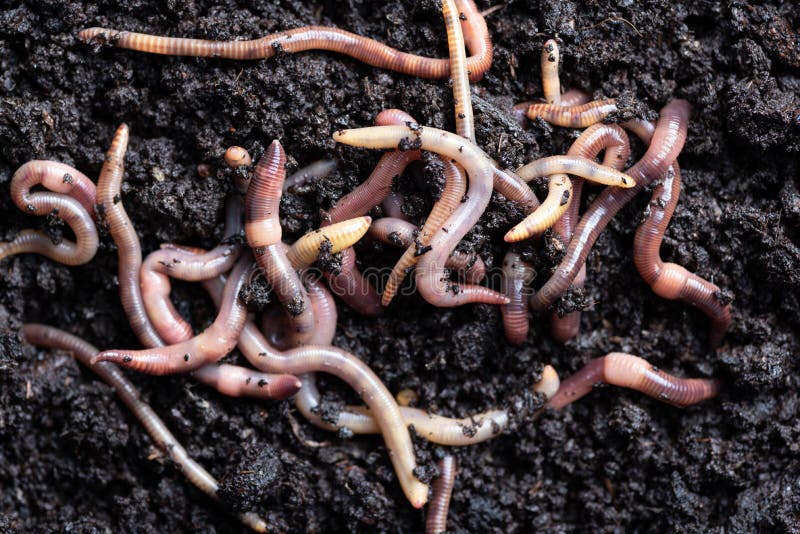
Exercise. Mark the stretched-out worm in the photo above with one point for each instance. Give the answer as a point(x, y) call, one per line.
point(612, 140)
point(442, 490)
point(236, 381)
point(404, 234)
point(110, 208)
point(207, 347)
point(517, 275)
point(628, 371)
point(573, 97)
point(668, 140)
point(313, 171)
point(71, 197)
point(295, 40)
point(465, 125)
point(670, 280)
point(53, 338)
point(431, 280)
point(262, 227)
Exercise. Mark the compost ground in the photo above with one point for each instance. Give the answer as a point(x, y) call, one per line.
point(71, 457)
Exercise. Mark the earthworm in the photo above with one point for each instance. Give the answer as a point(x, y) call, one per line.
point(613, 140)
point(573, 97)
point(454, 189)
point(628, 371)
point(573, 116)
point(314, 171)
point(559, 194)
point(549, 384)
point(559, 198)
point(442, 489)
point(295, 40)
point(404, 234)
point(188, 264)
point(340, 236)
point(71, 196)
point(109, 207)
point(465, 124)
point(349, 284)
point(667, 142)
point(431, 280)
point(362, 379)
point(551, 85)
point(238, 159)
point(670, 280)
point(212, 344)
point(236, 381)
point(578, 166)
point(263, 230)
point(53, 338)
point(393, 205)
point(517, 274)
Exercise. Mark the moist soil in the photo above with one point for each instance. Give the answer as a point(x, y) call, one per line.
point(73, 459)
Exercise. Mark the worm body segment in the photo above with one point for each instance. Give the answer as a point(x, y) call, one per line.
point(442, 489)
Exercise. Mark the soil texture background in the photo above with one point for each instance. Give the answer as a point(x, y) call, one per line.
point(72, 458)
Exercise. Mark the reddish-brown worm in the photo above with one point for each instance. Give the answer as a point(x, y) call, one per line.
point(207, 347)
point(110, 208)
point(188, 264)
point(313, 171)
point(71, 196)
point(517, 275)
point(357, 375)
point(53, 338)
point(432, 283)
point(465, 124)
point(263, 230)
point(442, 490)
point(238, 159)
point(404, 234)
point(393, 205)
point(573, 97)
point(628, 371)
point(667, 142)
point(573, 116)
point(670, 280)
point(348, 283)
point(295, 40)
point(612, 140)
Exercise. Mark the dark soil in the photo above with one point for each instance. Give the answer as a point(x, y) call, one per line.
point(72, 458)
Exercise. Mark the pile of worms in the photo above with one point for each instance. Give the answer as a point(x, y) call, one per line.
point(292, 342)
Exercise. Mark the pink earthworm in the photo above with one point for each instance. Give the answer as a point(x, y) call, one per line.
point(235, 381)
point(670, 280)
point(667, 142)
point(431, 280)
point(404, 234)
point(442, 489)
point(571, 98)
point(313, 171)
point(517, 275)
point(207, 347)
point(393, 205)
point(295, 40)
point(263, 230)
point(53, 338)
point(356, 374)
point(71, 197)
point(628, 371)
point(110, 208)
point(349, 284)
point(612, 140)
point(188, 264)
